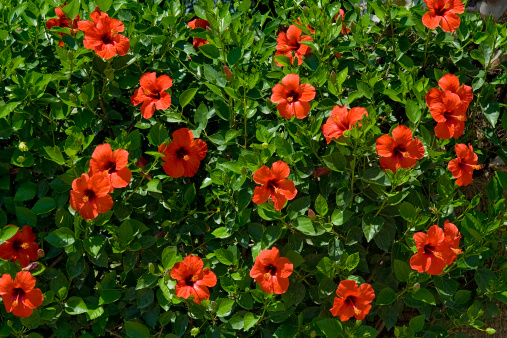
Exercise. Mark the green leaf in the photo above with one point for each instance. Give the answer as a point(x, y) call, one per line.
point(147, 280)
point(44, 205)
point(407, 211)
point(180, 325)
point(425, 296)
point(331, 327)
point(249, 321)
point(26, 192)
point(352, 261)
point(401, 270)
point(109, 296)
point(298, 206)
point(188, 94)
point(413, 111)
point(61, 238)
point(72, 9)
point(224, 307)
point(136, 330)
point(371, 226)
point(462, 296)
point(7, 232)
point(169, 257)
point(321, 205)
point(26, 216)
point(157, 135)
point(307, 227)
point(210, 50)
point(55, 154)
point(492, 113)
point(6, 109)
point(326, 266)
point(417, 323)
point(224, 256)
point(75, 306)
point(104, 5)
point(386, 296)
point(144, 298)
point(335, 161)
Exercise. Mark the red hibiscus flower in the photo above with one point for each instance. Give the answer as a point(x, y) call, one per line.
point(292, 98)
point(341, 13)
point(448, 106)
point(401, 150)
point(321, 171)
point(192, 279)
point(19, 295)
point(20, 247)
point(102, 36)
point(274, 185)
point(62, 21)
point(272, 271)
point(352, 300)
point(152, 94)
point(452, 237)
point(141, 163)
point(289, 42)
point(432, 251)
point(199, 23)
point(113, 163)
point(443, 13)
point(463, 167)
point(90, 196)
point(341, 120)
point(183, 155)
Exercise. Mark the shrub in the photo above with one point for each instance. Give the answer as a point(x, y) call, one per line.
point(251, 169)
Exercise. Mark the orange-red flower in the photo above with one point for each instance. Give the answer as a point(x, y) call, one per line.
point(112, 163)
point(152, 93)
point(433, 251)
point(274, 184)
point(62, 21)
point(272, 271)
point(293, 98)
point(199, 23)
point(19, 295)
point(463, 167)
point(183, 155)
point(448, 106)
point(401, 150)
point(289, 42)
point(352, 300)
point(341, 120)
point(452, 237)
point(192, 279)
point(345, 30)
point(20, 247)
point(90, 196)
point(102, 36)
point(443, 13)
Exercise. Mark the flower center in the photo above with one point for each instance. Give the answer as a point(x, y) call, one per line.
point(440, 11)
point(107, 39)
point(292, 96)
point(399, 150)
point(351, 301)
point(18, 245)
point(182, 154)
point(273, 186)
point(271, 269)
point(190, 280)
point(89, 195)
point(429, 249)
point(17, 296)
point(111, 167)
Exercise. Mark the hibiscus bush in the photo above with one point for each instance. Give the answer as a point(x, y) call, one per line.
point(251, 168)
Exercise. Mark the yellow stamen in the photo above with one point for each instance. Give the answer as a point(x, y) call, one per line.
point(186, 158)
point(267, 276)
point(25, 246)
point(290, 99)
point(85, 199)
point(113, 31)
point(15, 303)
point(147, 92)
point(194, 278)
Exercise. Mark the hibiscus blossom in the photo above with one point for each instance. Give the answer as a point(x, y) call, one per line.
point(192, 279)
point(452, 237)
point(443, 13)
point(20, 247)
point(152, 93)
point(463, 167)
point(274, 184)
point(63, 22)
point(101, 35)
point(448, 106)
point(199, 23)
point(272, 271)
point(90, 196)
point(293, 98)
point(341, 13)
point(183, 155)
point(433, 251)
point(401, 150)
point(289, 42)
point(19, 295)
point(341, 120)
point(352, 300)
point(114, 163)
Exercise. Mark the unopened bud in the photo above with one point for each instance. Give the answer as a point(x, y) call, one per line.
point(265, 145)
point(141, 163)
point(70, 54)
point(195, 331)
point(160, 233)
point(151, 268)
point(22, 146)
point(41, 253)
point(417, 286)
point(311, 213)
point(332, 76)
point(208, 29)
point(228, 73)
point(321, 171)
point(313, 334)
point(31, 266)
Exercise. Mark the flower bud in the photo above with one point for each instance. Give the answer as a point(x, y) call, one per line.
point(195, 331)
point(208, 29)
point(321, 171)
point(31, 266)
point(228, 73)
point(22, 146)
point(417, 286)
point(265, 145)
point(311, 213)
point(151, 268)
point(41, 253)
point(313, 334)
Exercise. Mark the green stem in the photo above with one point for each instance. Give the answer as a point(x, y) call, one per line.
point(141, 181)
